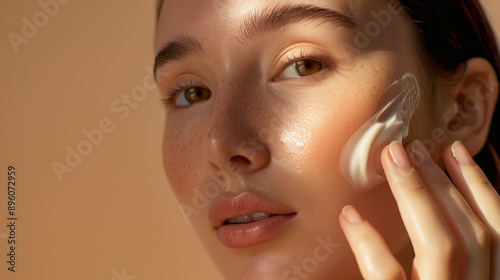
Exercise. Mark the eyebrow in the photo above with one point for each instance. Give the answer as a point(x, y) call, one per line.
point(175, 50)
point(259, 22)
point(275, 18)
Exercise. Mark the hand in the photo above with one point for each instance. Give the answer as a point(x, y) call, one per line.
point(454, 227)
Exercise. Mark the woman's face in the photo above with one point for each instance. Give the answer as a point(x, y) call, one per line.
point(266, 94)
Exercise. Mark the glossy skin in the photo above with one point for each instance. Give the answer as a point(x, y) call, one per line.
point(276, 134)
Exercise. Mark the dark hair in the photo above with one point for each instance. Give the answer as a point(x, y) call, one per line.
point(452, 32)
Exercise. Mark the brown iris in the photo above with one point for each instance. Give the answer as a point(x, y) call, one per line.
point(196, 94)
point(308, 67)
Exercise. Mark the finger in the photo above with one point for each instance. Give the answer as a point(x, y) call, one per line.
point(374, 258)
point(436, 249)
point(472, 183)
point(472, 235)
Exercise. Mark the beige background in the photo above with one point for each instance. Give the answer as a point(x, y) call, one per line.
point(114, 214)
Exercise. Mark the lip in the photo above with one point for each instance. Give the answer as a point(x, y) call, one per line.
point(250, 234)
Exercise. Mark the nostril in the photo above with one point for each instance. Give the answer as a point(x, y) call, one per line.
point(240, 160)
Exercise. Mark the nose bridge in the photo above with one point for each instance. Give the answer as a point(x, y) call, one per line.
point(234, 123)
point(230, 118)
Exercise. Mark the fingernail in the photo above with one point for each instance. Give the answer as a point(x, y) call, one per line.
point(352, 215)
point(398, 155)
point(420, 155)
point(461, 154)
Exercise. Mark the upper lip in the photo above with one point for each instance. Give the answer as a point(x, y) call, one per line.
point(243, 204)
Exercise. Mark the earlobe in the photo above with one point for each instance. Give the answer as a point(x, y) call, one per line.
point(470, 104)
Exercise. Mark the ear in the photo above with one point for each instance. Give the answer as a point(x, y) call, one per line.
point(468, 105)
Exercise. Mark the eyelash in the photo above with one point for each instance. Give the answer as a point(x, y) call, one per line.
point(326, 61)
point(168, 98)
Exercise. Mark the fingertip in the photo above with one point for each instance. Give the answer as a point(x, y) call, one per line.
point(385, 158)
point(350, 219)
point(449, 159)
point(461, 154)
point(372, 254)
point(352, 215)
point(399, 155)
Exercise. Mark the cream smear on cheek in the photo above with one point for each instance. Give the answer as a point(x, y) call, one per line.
point(360, 158)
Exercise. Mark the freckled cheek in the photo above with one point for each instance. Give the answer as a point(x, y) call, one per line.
point(181, 161)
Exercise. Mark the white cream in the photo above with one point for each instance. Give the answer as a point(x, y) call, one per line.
point(360, 159)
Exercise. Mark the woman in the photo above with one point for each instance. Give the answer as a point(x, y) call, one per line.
point(262, 98)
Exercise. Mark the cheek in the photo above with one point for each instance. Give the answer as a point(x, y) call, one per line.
point(330, 128)
point(181, 150)
point(429, 127)
point(310, 146)
point(329, 190)
point(360, 159)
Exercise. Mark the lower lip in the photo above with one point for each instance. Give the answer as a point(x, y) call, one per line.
point(252, 234)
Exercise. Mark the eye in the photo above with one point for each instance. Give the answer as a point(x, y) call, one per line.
point(301, 68)
point(191, 96)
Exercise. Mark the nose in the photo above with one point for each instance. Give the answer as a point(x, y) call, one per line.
point(234, 146)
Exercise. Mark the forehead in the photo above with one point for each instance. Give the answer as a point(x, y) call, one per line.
point(216, 27)
point(208, 17)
